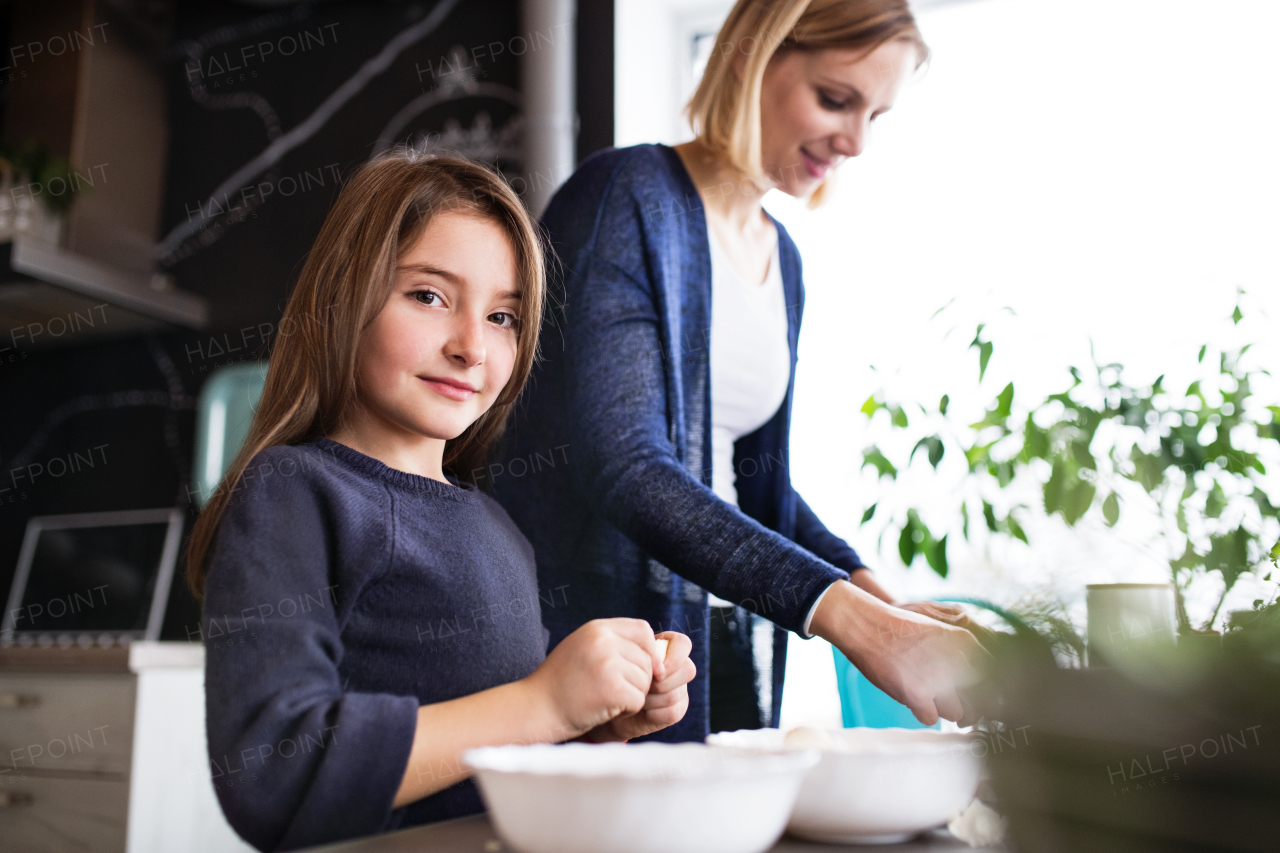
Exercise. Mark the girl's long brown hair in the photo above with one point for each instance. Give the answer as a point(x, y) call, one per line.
point(347, 279)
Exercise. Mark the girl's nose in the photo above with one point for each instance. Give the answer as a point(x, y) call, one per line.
point(466, 345)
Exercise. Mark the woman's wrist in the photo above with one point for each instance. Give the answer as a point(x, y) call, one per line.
point(864, 579)
point(848, 616)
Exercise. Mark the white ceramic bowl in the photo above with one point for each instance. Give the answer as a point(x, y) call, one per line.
point(641, 798)
point(878, 786)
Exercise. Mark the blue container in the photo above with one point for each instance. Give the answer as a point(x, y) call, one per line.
point(864, 704)
point(223, 415)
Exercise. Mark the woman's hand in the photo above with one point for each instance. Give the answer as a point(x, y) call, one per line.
point(922, 662)
point(601, 671)
point(952, 614)
point(668, 697)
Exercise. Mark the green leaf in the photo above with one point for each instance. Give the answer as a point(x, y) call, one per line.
point(984, 348)
point(1111, 509)
point(898, 416)
point(1236, 316)
point(1004, 403)
point(1215, 502)
point(1035, 442)
point(1077, 501)
point(1080, 452)
point(1275, 555)
point(936, 449)
point(873, 456)
point(989, 513)
point(1053, 490)
point(1149, 470)
point(936, 554)
point(871, 406)
point(944, 403)
point(1015, 529)
point(933, 447)
point(1200, 357)
point(871, 510)
point(1188, 561)
point(907, 544)
point(1229, 554)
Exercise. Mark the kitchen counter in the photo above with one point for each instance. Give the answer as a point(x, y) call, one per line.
point(475, 835)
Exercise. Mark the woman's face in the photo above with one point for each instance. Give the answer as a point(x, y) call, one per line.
point(816, 109)
point(442, 348)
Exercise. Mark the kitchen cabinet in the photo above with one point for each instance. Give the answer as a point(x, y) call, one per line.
point(103, 750)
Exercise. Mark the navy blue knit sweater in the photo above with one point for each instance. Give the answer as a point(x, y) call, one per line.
point(341, 595)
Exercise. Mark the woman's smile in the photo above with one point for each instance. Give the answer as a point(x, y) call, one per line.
point(815, 166)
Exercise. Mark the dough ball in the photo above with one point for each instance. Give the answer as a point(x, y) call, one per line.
point(809, 737)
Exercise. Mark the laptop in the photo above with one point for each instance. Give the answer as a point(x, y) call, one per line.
point(97, 578)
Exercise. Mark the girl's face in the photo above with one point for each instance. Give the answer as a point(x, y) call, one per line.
point(816, 109)
point(442, 348)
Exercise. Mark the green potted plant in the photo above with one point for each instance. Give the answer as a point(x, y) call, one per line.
point(1099, 448)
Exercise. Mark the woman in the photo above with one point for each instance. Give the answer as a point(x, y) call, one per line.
point(648, 464)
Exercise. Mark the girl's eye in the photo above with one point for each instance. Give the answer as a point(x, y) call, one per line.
point(426, 297)
point(504, 319)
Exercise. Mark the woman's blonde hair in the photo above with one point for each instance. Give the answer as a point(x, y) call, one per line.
point(725, 109)
point(348, 277)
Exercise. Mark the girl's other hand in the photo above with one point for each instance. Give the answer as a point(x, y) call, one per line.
point(668, 697)
point(601, 671)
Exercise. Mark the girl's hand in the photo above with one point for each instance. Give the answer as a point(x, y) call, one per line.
point(667, 701)
point(601, 671)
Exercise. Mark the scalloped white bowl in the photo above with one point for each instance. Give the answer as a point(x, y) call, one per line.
point(877, 786)
point(640, 798)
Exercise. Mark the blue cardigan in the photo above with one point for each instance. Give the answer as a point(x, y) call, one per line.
point(606, 463)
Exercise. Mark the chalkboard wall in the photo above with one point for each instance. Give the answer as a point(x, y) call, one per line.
point(270, 107)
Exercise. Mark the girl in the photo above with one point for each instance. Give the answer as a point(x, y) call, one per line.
point(368, 613)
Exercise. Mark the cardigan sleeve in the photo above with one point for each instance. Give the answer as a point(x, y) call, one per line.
point(814, 536)
point(296, 760)
point(624, 453)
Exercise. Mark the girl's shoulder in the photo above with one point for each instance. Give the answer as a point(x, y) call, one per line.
point(313, 469)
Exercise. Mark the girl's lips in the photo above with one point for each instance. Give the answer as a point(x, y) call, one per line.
point(815, 167)
point(449, 388)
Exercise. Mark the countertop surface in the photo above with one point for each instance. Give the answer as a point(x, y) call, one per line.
point(475, 835)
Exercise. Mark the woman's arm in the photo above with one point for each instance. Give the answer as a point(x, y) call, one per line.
point(812, 534)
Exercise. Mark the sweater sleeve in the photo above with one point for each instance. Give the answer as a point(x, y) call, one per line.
point(296, 760)
point(814, 536)
point(617, 358)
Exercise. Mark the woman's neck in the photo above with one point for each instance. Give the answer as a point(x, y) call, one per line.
point(393, 445)
point(727, 194)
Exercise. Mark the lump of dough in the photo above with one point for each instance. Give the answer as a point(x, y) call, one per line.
point(978, 826)
point(809, 737)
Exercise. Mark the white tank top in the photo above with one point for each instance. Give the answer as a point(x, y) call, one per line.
point(750, 360)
